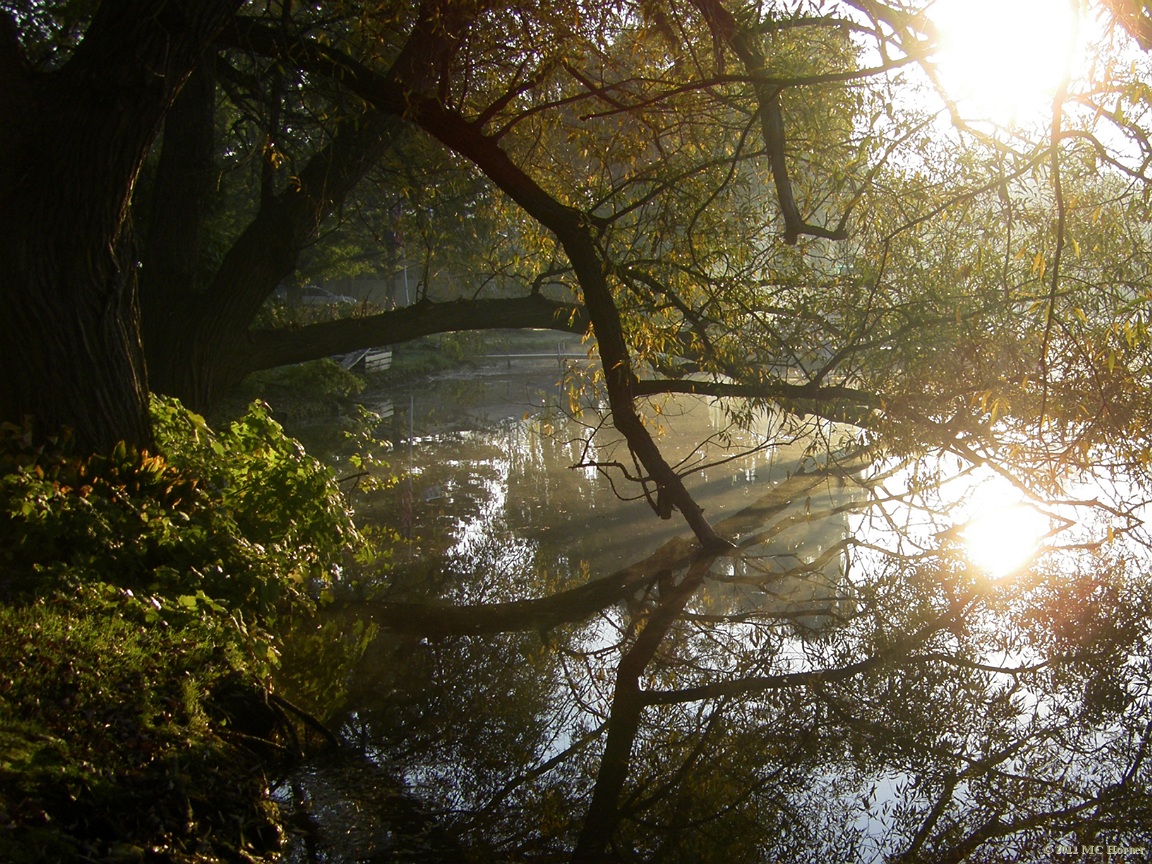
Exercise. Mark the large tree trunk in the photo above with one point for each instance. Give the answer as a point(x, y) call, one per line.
point(185, 181)
point(71, 147)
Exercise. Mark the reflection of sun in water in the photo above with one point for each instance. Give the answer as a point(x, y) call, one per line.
point(1003, 532)
point(1001, 59)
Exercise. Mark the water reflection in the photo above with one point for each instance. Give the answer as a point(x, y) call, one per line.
point(494, 485)
point(845, 686)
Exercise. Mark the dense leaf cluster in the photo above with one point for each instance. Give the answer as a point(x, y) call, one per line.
point(239, 519)
point(143, 595)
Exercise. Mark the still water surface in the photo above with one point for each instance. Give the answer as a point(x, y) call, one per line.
point(497, 500)
point(492, 479)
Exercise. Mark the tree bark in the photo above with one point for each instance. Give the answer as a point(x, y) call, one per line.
point(265, 349)
point(182, 190)
point(73, 144)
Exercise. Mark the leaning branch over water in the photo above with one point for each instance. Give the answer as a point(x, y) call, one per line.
point(270, 348)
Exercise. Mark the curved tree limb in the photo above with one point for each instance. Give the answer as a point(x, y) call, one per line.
point(727, 30)
point(268, 348)
point(544, 613)
point(576, 231)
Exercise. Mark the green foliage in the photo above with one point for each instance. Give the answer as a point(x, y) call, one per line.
point(106, 724)
point(281, 499)
point(49, 30)
point(324, 377)
point(310, 652)
point(138, 587)
point(242, 518)
point(462, 346)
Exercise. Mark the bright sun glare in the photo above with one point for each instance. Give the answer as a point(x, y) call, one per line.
point(1003, 531)
point(1002, 60)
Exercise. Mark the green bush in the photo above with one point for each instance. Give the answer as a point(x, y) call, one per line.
point(243, 519)
point(136, 589)
point(108, 735)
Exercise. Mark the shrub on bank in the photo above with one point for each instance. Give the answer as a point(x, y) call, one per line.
point(140, 597)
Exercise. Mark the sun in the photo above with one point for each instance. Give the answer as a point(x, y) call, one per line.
point(1003, 531)
point(1003, 60)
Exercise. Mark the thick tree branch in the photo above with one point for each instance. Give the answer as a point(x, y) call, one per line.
point(726, 29)
point(575, 230)
point(268, 348)
point(851, 398)
point(182, 191)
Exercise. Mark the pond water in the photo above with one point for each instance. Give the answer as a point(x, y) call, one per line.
point(498, 487)
point(506, 490)
point(493, 504)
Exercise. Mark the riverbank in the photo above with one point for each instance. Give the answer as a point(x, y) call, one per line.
point(144, 607)
point(318, 390)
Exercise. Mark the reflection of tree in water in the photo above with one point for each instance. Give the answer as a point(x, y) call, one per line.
point(821, 693)
point(794, 566)
point(777, 703)
point(483, 510)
